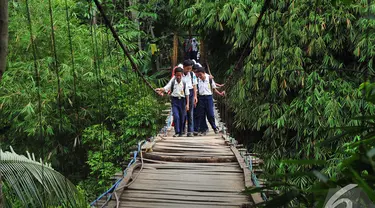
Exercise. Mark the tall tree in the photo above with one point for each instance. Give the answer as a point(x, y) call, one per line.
point(3, 35)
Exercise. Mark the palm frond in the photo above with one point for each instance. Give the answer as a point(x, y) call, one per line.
point(35, 184)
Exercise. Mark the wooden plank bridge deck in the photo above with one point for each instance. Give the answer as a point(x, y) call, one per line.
point(200, 171)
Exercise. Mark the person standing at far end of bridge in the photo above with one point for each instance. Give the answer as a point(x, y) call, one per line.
point(179, 99)
point(206, 87)
point(191, 83)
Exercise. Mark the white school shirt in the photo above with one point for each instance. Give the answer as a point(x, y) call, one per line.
point(194, 44)
point(178, 89)
point(187, 79)
point(204, 86)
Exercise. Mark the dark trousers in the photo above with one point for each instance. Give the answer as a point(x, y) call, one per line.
point(203, 124)
point(190, 114)
point(206, 107)
point(193, 55)
point(179, 111)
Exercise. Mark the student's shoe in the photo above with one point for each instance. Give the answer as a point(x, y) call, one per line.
point(216, 130)
point(203, 133)
point(176, 135)
point(195, 133)
point(189, 135)
point(180, 135)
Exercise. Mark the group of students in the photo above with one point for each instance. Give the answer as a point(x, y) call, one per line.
point(191, 90)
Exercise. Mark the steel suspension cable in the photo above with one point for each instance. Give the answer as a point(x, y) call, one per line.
point(248, 48)
point(117, 38)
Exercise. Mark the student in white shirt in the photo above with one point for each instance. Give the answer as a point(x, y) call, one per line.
point(206, 87)
point(191, 83)
point(179, 99)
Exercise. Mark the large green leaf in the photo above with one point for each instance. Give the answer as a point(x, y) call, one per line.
point(36, 184)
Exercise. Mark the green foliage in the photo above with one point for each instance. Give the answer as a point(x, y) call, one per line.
point(300, 82)
point(105, 108)
point(31, 183)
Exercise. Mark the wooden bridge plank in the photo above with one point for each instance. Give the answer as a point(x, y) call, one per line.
point(199, 171)
point(182, 201)
point(190, 193)
point(195, 198)
point(133, 204)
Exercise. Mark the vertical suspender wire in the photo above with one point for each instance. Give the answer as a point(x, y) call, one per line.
point(37, 76)
point(53, 44)
point(105, 70)
point(97, 72)
point(109, 51)
point(120, 66)
point(75, 100)
point(56, 68)
point(75, 104)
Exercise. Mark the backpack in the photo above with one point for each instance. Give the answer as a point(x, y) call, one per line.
point(191, 77)
point(187, 45)
point(210, 81)
point(172, 86)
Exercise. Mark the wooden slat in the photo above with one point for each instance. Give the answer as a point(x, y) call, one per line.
point(182, 172)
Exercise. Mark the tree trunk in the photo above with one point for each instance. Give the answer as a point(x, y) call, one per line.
point(202, 51)
point(3, 35)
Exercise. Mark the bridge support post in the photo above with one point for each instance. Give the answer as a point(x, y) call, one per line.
point(175, 50)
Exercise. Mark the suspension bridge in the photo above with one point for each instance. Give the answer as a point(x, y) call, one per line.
point(202, 171)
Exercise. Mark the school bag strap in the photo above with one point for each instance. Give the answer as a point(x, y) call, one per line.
point(191, 77)
point(172, 85)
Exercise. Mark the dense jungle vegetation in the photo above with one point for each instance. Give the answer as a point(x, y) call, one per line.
point(303, 89)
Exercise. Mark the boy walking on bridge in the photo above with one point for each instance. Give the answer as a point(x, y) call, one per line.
point(206, 87)
point(191, 83)
point(179, 99)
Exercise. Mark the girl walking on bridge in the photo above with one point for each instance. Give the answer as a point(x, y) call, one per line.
point(179, 99)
